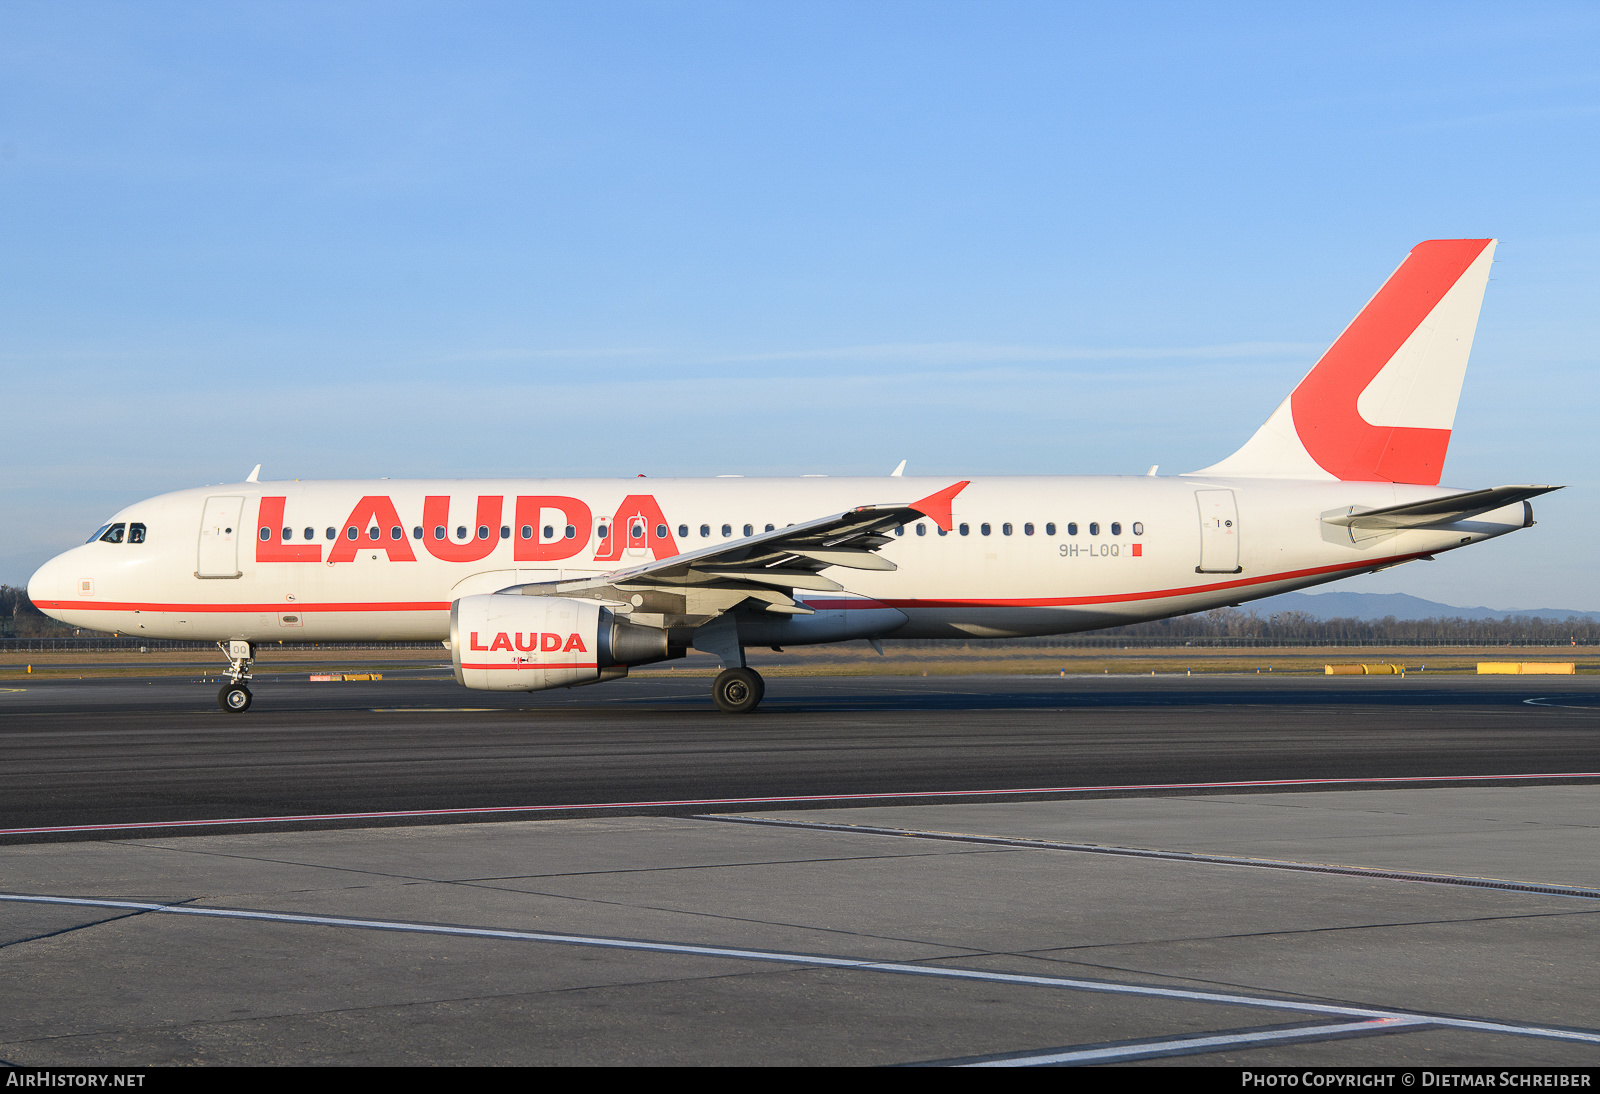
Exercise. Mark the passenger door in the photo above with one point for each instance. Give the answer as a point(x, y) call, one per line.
point(1219, 532)
point(219, 538)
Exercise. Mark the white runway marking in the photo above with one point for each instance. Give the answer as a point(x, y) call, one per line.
point(1186, 1046)
point(1376, 872)
point(829, 961)
point(798, 799)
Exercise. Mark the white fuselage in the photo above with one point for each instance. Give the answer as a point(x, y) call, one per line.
point(1026, 555)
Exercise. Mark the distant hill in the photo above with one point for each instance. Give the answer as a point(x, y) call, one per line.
point(1400, 605)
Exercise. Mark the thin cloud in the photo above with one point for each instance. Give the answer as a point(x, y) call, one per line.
point(975, 352)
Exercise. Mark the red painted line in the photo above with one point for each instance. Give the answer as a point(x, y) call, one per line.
point(897, 795)
point(353, 606)
point(537, 665)
point(826, 605)
point(1114, 598)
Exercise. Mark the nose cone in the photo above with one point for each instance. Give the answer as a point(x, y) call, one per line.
point(50, 587)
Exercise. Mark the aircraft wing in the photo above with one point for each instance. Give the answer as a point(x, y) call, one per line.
point(768, 567)
point(1437, 511)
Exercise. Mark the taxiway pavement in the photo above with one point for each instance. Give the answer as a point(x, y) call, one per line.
point(1418, 923)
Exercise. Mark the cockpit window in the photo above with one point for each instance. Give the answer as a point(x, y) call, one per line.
point(114, 533)
point(135, 533)
point(97, 533)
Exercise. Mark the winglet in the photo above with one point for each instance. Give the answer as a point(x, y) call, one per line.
point(255, 475)
point(936, 507)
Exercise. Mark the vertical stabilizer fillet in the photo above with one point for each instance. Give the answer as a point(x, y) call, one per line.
point(1380, 404)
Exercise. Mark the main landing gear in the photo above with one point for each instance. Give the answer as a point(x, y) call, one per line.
point(737, 688)
point(738, 691)
point(235, 696)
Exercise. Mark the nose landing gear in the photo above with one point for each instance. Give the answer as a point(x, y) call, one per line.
point(235, 696)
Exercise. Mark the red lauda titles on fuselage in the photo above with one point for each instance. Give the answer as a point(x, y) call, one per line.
point(375, 525)
point(543, 642)
point(638, 525)
point(269, 537)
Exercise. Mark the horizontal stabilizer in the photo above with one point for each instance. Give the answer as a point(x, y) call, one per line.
point(1437, 511)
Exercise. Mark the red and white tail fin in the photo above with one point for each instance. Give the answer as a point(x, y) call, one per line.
point(1379, 405)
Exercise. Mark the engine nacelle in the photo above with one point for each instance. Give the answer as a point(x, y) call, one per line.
point(511, 642)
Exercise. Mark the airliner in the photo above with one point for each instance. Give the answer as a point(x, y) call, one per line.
point(547, 583)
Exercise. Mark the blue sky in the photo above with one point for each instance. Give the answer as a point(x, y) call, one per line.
point(765, 238)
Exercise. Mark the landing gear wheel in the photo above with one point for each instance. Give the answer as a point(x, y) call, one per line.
point(234, 698)
point(738, 691)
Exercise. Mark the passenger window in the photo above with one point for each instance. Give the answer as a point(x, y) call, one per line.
point(1094, 528)
point(397, 532)
point(965, 530)
point(505, 531)
point(922, 529)
point(748, 530)
point(1005, 529)
point(727, 530)
point(661, 531)
point(1050, 528)
point(136, 533)
point(416, 533)
point(984, 528)
point(769, 528)
point(683, 531)
point(602, 531)
point(1116, 527)
point(311, 533)
point(461, 531)
point(705, 530)
point(637, 531)
point(351, 533)
point(1027, 529)
point(98, 532)
point(288, 534)
point(1072, 528)
point(1138, 528)
point(266, 534)
point(438, 531)
point(944, 531)
point(527, 531)
point(483, 531)
point(572, 533)
point(549, 532)
point(899, 529)
point(373, 532)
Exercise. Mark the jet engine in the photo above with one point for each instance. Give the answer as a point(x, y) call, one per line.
point(511, 642)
